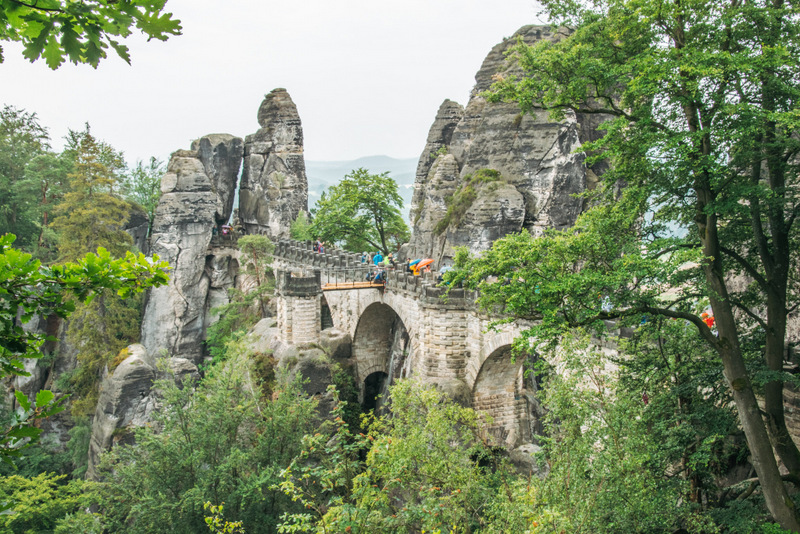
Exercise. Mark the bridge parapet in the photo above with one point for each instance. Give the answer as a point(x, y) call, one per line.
point(338, 266)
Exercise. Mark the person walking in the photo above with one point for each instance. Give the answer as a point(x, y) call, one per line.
point(377, 258)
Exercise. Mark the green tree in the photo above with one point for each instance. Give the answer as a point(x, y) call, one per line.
point(45, 183)
point(28, 288)
point(362, 212)
point(40, 502)
point(142, 185)
point(22, 140)
point(701, 98)
point(81, 31)
point(221, 441)
point(300, 228)
point(91, 214)
point(426, 470)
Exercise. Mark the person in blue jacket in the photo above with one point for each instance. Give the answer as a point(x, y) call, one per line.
point(377, 259)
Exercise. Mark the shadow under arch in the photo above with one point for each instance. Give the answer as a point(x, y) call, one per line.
point(499, 398)
point(380, 348)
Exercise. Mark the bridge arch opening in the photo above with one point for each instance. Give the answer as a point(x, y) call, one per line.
point(380, 348)
point(500, 397)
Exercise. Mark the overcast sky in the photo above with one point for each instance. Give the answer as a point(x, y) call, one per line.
point(367, 76)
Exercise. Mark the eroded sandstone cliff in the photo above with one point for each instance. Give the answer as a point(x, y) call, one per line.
point(197, 193)
point(274, 186)
point(539, 165)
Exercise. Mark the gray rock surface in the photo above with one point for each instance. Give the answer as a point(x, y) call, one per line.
point(191, 205)
point(274, 187)
point(137, 226)
point(539, 161)
point(127, 399)
point(221, 155)
point(526, 460)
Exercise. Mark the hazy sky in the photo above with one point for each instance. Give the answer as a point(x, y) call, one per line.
point(367, 76)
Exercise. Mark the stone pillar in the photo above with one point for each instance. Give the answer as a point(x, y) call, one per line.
point(443, 336)
point(299, 306)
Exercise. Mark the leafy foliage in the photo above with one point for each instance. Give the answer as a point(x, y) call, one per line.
point(142, 185)
point(423, 471)
point(81, 32)
point(300, 228)
point(220, 442)
point(28, 288)
point(27, 173)
point(40, 502)
point(701, 102)
point(362, 212)
point(91, 214)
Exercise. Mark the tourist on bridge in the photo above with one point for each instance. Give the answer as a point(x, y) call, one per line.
point(365, 258)
point(377, 259)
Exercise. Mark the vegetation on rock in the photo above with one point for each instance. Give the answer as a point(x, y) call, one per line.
point(459, 202)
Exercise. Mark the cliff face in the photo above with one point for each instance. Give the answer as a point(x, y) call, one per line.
point(539, 163)
point(274, 186)
point(197, 195)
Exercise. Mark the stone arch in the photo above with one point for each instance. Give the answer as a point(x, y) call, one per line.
point(498, 394)
point(491, 344)
point(381, 344)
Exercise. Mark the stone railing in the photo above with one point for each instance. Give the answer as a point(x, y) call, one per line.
point(338, 266)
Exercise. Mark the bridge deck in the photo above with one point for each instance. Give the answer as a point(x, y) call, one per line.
point(350, 285)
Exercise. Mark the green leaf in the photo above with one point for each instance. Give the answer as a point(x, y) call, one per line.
point(23, 401)
point(44, 397)
point(24, 432)
point(53, 54)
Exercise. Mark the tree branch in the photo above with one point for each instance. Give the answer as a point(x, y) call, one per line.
point(36, 6)
point(746, 266)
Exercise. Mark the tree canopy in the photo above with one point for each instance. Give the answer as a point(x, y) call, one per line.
point(362, 212)
point(701, 99)
point(81, 32)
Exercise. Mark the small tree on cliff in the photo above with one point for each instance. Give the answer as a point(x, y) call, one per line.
point(702, 99)
point(362, 212)
point(248, 305)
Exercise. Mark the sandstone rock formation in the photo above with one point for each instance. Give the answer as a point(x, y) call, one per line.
point(274, 187)
point(197, 195)
point(540, 169)
point(221, 155)
point(127, 399)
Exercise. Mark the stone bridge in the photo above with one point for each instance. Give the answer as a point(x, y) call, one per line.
point(407, 328)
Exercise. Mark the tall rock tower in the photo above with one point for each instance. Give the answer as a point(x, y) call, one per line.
point(274, 187)
point(197, 194)
point(535, 167)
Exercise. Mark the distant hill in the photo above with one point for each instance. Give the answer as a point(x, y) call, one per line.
point(323, 174)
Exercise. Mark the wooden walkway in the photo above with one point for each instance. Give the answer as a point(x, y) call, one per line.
point(350, 285)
